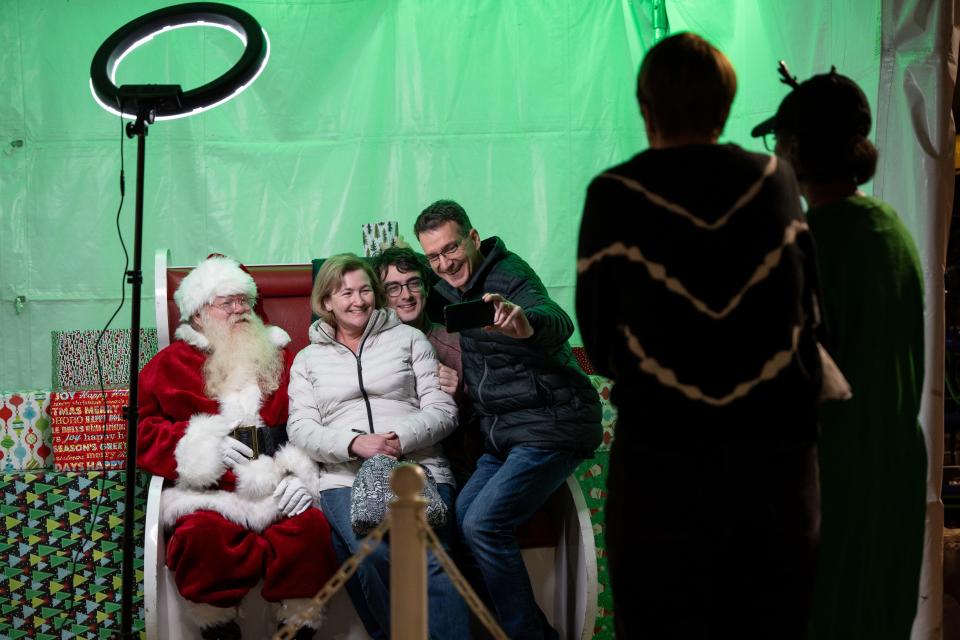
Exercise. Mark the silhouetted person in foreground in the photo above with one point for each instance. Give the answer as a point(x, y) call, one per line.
point(696, 295)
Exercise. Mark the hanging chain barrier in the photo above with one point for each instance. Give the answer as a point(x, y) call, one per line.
point(334, 584)
point(427, 537)
point(460, 583)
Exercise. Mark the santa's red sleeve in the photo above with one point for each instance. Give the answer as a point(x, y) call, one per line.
point(171, 401)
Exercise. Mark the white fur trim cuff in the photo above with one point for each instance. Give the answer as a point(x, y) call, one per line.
point(206, 615)
point(293, 459)
point(292, 609)
point(258, 478)
point(199, 460)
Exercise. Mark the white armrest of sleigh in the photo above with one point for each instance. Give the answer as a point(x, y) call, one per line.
point(165, 609)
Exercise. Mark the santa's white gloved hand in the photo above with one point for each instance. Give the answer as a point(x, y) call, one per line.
point(233, 452)
point(292, 496)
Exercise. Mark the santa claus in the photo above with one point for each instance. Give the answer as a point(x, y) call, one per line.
point(213, 409)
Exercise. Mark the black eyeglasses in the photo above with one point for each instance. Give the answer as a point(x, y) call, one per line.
point(394, 289)
point(770, 141)
point(447, 252)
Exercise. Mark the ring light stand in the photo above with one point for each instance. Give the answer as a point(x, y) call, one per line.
point(145, 104)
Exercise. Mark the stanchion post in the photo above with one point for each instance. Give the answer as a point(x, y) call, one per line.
point(408, 555)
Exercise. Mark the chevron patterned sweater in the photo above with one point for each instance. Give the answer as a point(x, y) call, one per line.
point(696, 293)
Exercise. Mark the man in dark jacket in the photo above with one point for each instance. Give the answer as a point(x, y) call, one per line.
point(539, 414)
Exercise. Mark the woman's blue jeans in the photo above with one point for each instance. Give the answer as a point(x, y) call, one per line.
point(369, 588)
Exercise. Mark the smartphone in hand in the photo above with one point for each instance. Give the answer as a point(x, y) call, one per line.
point(468, 315)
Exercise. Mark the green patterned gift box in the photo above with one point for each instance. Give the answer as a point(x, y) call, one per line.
point(592, 475)
point(26, 439)
point(61, 554)
point(379, 236)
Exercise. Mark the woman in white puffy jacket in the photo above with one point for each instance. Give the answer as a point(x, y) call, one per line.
point(367, 384)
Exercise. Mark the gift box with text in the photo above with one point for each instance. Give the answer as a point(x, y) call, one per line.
point(82, 438)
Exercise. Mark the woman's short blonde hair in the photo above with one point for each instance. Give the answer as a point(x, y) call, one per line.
point(330, 279)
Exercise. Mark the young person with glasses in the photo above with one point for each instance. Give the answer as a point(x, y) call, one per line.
point(404, 275)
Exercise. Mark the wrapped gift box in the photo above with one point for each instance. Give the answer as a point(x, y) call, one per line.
point(583, 360)
point(61, 555)
point(75, 358)
point(592, 476)
point(82, 440)
point(26, 442)
point(608, 416)
point(378, 236)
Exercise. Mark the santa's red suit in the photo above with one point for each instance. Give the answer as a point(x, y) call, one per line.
point(225, 530)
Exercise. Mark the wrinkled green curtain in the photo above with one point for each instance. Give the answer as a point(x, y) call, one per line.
point(368, 110)
point(371, 109)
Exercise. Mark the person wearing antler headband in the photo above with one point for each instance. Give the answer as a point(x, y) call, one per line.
point(872, 453)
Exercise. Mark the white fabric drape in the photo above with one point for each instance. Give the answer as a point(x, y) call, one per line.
point(915, 134)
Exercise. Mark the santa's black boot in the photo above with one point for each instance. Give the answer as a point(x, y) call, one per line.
point(303, 633)
point(223, 631)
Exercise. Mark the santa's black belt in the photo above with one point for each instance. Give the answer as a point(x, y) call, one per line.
point(263, 440)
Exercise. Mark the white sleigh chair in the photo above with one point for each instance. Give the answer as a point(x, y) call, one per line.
point(165, 609)
point(562, 565)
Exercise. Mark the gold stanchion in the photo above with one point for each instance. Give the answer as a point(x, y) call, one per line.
point(410, 537)
point(408, 556)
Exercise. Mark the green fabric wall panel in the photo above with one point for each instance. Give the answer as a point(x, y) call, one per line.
point(367, 111)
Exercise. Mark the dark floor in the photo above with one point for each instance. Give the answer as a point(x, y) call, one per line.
point(951, 583)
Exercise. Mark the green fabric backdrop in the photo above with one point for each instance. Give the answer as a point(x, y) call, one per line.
point(368, 110)
point(371, 109)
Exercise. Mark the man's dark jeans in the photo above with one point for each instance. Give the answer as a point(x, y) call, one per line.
point(501, 495)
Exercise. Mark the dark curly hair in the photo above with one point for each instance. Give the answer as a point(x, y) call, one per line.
point(826, 157)
point(406, 260)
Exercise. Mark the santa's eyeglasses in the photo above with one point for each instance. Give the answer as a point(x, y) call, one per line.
point(231, 302)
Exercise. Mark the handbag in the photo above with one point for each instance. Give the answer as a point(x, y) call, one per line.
point(371, 494)
point(835, 385)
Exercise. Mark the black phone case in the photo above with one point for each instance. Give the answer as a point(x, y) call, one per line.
point(468, 315)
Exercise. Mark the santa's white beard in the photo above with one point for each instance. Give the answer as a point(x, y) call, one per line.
point(243, 354)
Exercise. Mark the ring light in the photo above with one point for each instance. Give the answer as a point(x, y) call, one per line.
point(103, 69)
point(145, 103)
